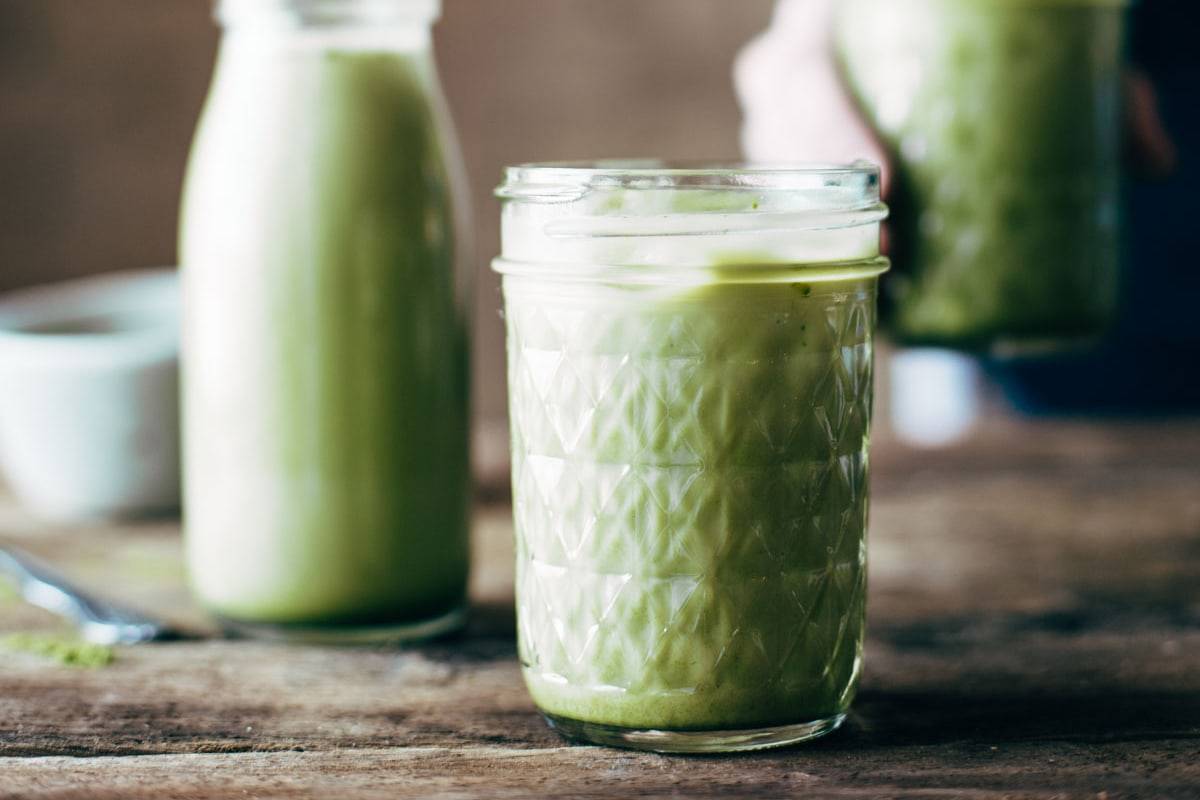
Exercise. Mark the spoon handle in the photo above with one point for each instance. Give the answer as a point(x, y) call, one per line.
point(99, 621)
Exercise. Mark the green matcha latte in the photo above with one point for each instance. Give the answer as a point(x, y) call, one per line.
point(1003, 118)
point(325, 371)
point(690, 390)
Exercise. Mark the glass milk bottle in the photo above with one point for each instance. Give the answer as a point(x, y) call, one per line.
point(325, 383)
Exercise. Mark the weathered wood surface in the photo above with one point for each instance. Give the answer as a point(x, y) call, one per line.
point(1034, 632)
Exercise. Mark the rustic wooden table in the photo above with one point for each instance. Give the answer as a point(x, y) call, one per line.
point(1034, 632)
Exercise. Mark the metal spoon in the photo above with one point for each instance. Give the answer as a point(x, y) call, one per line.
point(99, 621)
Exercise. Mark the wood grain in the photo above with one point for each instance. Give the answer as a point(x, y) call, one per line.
point(1034, 632)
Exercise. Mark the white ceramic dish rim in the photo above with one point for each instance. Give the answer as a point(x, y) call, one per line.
point(143, 304)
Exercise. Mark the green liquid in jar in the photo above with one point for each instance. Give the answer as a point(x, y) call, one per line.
point(690, 485)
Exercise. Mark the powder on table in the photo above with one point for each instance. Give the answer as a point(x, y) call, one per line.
point(63, 649)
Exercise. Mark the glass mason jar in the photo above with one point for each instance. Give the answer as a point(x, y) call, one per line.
point(690, 367)
point(1003, 117)
point(325, 386)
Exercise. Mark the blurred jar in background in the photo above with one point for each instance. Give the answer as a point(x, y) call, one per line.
point(1002, 118)
point(977, 130)
point(325, 331)
point(1155, 341)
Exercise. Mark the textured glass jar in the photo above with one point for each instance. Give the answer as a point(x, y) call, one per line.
point(325, 336)
point(1004, 119)
point(690, 373)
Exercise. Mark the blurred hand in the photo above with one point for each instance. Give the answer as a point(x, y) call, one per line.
point(795, 106)
point(1149, 150)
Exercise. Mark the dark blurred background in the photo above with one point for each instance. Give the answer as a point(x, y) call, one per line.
point(98, 101)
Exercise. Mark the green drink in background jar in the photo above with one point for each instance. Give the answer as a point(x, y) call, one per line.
point(690, 383)
point(1003, 120)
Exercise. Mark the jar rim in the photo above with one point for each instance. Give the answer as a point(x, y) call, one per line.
point(568, 181)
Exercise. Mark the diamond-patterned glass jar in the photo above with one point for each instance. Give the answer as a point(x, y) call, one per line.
point(689, 356)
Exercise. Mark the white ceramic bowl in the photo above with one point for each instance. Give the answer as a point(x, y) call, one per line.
point(89, 398)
